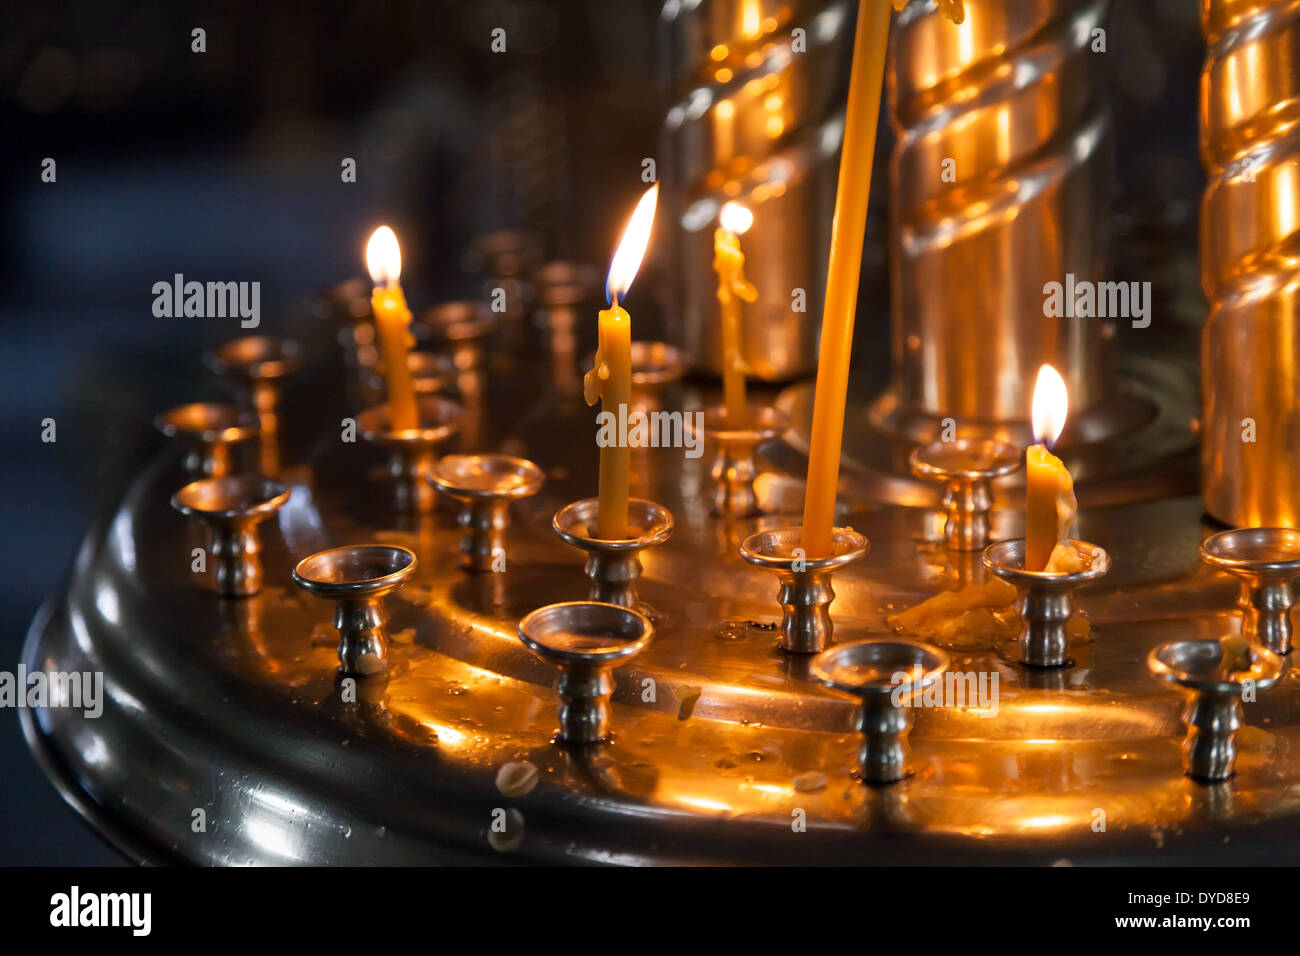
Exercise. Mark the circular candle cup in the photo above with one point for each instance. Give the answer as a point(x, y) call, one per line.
point(1266, 561)
point(431, 373)
point(485, 485)
point(734, 468)
point(566, 284)
point(966, 467)
point(209, 429)
point(461, 325)
point(875, 671)
point(412, 451)
point(356, 578)
point(231, 508)
point(259, 362)
point(1213, 711)
point(586, 640)
point(805, 590)
point(1046, 598)
point(613, 565)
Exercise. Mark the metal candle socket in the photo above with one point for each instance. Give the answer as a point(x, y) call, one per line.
point(485, 485)
point(613, 565)
point(806, 593)
point(258, 362)
point(1046, 597)
point(1266, 561)
point(734, 469)
point(967, 468)
point(1213, 711)
point(231, 508)
point(431, 373)
point(356, 578)
point(586, 640)
point(209, 430)
point(867, 670)
point(412, 452)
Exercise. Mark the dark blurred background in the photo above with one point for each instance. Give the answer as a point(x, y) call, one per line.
point(225, 165)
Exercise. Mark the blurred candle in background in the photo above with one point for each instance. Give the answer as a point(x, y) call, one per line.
point(729, 263)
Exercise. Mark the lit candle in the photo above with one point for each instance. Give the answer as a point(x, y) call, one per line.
point(610, 379)
point(870, 44)
point(729, 263)
point(1050, 506)
point(392, 326)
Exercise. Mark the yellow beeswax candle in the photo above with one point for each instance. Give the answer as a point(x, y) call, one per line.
point(1050, 505)
point(610, 379)
point(392, 327)
point(729, 263)
point(870, 45)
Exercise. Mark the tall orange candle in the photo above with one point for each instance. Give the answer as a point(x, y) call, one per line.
point(610, 379)
point(392, 326)
point(733, 288)
point(870, 44)
point(862, 113)
point(1050, 506)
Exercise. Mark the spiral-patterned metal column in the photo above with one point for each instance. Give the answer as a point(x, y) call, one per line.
point(1250, 261)
point(1000, 184)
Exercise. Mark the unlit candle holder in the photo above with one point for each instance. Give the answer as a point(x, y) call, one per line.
point(432, 373)
point(613, 565)
point(734, 467)
point(357, 578)
point(413, 451)
point(586, 640)
point(966, 467)
point(805, 583)
point(1265, 561)
point(655, 366)
point(258, 363)
point(1046, 598)
point(1213, 712)
point(209, 430)
point(231, 508)
point(485, 485)
point(867, 670)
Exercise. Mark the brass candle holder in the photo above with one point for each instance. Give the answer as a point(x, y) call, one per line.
point(485, 485)
point(412, 451)
point(613, 565)
point(356, 579)
point(1266, 561)
point(231, 508)
point(805, 593)
point(209, 431)
point(432, 373)
point(1214, 695)
point(586, 640)
point(258, 363)
point(966, 467)
point(1046, 597)
point(655, 366)
point(734, 467)
point(869, 671)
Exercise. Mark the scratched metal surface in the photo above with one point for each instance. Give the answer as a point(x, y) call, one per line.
point(234, 707)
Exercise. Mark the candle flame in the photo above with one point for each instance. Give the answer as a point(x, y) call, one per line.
point(1051, 404)
point(383, 257)
point(627, 257)
point(735, 217)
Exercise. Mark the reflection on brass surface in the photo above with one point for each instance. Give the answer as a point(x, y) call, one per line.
point(1015, 102)
point(1250, 350)
point(754, 121)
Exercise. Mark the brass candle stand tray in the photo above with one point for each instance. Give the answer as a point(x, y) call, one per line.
point(724, 749)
